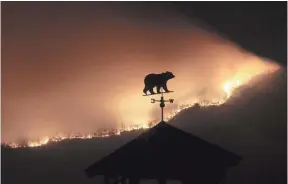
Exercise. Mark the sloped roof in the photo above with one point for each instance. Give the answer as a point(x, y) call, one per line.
point(165, 150)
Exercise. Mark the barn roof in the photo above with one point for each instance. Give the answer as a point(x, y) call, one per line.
point(167, 150)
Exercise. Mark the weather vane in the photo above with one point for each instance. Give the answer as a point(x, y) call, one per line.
point(160, 82)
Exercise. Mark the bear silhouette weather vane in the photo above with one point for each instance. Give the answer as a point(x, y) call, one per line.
point(160, 82)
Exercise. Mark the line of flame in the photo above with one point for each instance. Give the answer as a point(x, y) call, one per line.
point(103, 133)
point(228, 88)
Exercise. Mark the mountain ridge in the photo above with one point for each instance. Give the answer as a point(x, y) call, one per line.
point(255, 130)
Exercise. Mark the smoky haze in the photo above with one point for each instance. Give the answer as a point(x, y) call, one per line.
point(78, 67)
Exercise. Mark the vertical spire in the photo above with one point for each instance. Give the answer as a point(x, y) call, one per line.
point(162, 104)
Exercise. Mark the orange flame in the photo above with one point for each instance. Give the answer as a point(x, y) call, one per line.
point(228, 87)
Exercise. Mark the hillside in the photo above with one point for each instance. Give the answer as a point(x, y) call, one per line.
point(252, 124)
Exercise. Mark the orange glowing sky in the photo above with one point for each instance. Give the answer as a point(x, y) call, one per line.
point(73, 72)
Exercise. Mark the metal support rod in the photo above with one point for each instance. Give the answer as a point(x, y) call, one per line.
point(162, 104)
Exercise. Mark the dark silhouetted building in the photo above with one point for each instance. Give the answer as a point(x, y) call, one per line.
point(165, 153)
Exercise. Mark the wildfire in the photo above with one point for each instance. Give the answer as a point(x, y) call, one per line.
point(228, 88)
point(101, 133)
point(43, 141)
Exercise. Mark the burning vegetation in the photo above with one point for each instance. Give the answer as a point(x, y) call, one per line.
point(228, 87)
point(86, 85)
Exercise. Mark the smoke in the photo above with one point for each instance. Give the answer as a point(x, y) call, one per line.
point(78, 68)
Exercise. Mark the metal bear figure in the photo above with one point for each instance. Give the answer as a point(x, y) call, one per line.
point(157, 80)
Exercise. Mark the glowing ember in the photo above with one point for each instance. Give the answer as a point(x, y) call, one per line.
point(228, 88)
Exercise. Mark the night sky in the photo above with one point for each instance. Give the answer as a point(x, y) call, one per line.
point(260, 27)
